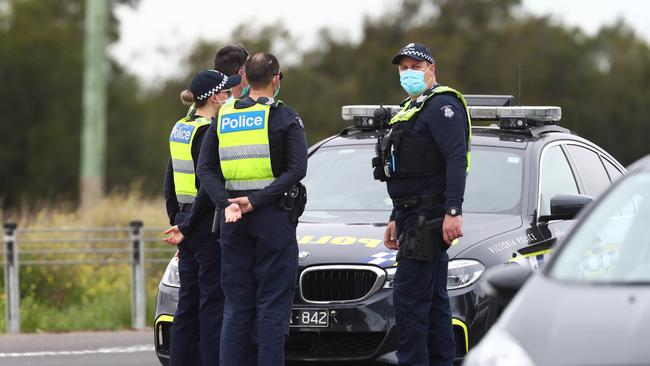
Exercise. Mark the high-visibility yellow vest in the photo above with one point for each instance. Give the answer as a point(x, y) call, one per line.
point(244, 153)
point(180, 148)
point(407, 113)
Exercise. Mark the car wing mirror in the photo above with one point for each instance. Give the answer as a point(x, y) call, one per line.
point(503, 282)
point(566, 206)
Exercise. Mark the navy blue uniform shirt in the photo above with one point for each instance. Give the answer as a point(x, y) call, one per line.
point(288, 147)
point(169, 189)
point(449, 134)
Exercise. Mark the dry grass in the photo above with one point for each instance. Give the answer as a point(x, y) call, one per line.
point(76, 297)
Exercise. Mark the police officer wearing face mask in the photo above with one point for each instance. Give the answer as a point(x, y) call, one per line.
point(424, 161)
point(197, 322)
point(259, 148)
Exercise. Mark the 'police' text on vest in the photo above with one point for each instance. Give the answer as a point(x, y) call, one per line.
point(245, 121)
point(181, 133)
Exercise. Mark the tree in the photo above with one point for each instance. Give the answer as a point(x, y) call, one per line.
point(41, 43)
point(480, 46)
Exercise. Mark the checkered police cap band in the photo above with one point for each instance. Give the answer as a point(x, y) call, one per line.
point(213, 90)
point(412, 52)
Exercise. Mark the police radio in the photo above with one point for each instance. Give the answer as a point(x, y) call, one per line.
point(382, 162)
point(375, 118)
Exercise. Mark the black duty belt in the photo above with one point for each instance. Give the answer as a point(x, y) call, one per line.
point(415, 201)
point(235, 194)
point(185, 207)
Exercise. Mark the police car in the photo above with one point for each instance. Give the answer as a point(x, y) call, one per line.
point(528, 178)
point(599, 281)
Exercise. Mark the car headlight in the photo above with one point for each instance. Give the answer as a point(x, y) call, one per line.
point(390, 277)
point(171, 277)
point(463, 272)
point(498, 348)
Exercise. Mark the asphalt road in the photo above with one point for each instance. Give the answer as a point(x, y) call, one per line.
point(124, 348)
point(76, 349)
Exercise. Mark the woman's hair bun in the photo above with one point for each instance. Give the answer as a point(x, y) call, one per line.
point(187, 97)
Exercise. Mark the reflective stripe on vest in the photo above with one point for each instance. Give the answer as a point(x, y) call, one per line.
point(180, 148)
point(406, 114)
point(244, 153)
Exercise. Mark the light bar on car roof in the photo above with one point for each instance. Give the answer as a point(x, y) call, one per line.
point(517, 118)
point(349, 112)
point(533, 114)
point(489, 100)
point(363, 116)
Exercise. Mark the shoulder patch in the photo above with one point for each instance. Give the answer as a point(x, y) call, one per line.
point(447, 111)
point(299, 120)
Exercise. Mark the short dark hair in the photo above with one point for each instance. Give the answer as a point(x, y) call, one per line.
point(230, 59)
point(260, 69)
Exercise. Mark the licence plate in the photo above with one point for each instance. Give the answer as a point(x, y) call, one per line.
point(310, 318)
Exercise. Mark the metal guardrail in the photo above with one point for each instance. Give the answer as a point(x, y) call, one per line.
point(83, 246)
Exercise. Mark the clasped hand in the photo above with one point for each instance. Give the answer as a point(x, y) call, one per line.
point(238, 207)
point(233, 213)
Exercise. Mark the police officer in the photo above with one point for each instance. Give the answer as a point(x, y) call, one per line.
point(424, 161)
point(254, 153)
point(195, 331)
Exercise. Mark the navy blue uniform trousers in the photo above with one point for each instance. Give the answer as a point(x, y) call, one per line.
point(196, 330)
point(259, 261)
point(422, 309)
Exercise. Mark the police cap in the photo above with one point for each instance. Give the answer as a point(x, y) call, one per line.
point(415, 51)
point(209, 82)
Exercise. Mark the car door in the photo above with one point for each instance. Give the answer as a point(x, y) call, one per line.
point(556, 176)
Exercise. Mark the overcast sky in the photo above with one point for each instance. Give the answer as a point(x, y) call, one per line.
point(157, 34)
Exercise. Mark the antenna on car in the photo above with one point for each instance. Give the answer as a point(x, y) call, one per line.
point(519, 84)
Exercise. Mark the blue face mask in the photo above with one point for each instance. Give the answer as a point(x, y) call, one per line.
point(244, 91)
point(277, 91)
point(412, 81)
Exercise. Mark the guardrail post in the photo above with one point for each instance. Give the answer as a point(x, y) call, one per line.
point(12, 286)
point(138, 301)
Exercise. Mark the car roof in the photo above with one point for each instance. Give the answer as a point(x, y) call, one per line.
point(481, 136)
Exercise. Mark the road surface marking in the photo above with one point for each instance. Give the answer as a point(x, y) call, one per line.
point(112, 350)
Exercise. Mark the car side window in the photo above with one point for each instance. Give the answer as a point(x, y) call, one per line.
point(592, 171)
point(557, 178)
point(612, 170)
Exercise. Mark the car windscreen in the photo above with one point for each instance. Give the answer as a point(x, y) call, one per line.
point(612, 243)
point(340, 178)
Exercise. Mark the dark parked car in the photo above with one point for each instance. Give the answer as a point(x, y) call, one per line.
point(590, 304)
point(343, 309)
